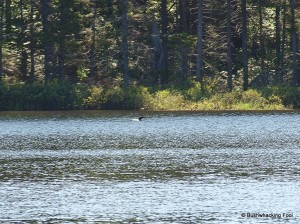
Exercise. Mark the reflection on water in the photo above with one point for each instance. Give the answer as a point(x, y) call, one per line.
point(80, 167)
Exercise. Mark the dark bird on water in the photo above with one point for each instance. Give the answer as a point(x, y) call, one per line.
point(138, 119)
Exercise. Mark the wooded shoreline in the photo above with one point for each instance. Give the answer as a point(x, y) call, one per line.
point(108, 54)
point(67, 96)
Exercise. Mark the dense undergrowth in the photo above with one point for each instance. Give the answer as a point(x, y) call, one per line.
point(62, 95)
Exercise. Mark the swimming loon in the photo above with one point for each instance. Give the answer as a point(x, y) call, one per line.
point(138, 119)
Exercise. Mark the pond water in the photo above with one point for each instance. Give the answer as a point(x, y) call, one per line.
point(172, 167)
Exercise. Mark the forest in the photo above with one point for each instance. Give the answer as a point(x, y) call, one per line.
point(148, 54)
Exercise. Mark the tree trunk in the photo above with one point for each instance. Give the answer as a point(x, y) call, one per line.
point(262, 49)
point(8, 11)
point(184, 49)
point(282, 52)
point(164, 44)
point(245, 45)
point(32, 44)
point(229, 47)
point(125, 44)
point(62, 40)
point(156, 49)
point(184, 62)
point(65, 27)
point(110, 8)
point(278, 39)
point(294, 45)
point(183, 15)
point(1, 39)
point(24, 56)
point(45, 12)
point(193, 15)
point(199, 69)
point(93, 45)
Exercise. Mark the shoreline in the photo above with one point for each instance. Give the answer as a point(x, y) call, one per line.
point(153, 111)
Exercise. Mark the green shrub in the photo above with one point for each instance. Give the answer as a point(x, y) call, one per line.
point(194, 93)
point(254, 99)
point(165, 100)
point(55, 95)
point(95, 98)
point(61, 95)
point(116, 98)
point(170, 99)
point(289, 96)
point(135, 97)
point(239, 100)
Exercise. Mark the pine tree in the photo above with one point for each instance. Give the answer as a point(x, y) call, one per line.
point(294, 45)
point(1, 38)
point(125, 43)
point(45, 12)
point(199, 71)
point(229, 47)
point(245, 45)
point(32, 43)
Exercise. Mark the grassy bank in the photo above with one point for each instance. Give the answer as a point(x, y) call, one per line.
point(66, 96)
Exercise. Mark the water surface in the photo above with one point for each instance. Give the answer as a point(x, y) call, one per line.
point(100, 167)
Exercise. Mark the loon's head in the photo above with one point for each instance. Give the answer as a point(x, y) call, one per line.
point(141, 117)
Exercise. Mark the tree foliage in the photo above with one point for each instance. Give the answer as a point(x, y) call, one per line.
point(117, 43)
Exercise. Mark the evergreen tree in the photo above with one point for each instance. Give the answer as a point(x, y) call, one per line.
point(125, 43)
point(245, 45)
point(294, 45)
point(164, 60)
point(199, 71)
point(153, 43)
point(32, 42)
point(229, 47)
point(1, 38)
point(46, 39)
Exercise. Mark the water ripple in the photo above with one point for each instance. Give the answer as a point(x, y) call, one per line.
point(170, 168)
